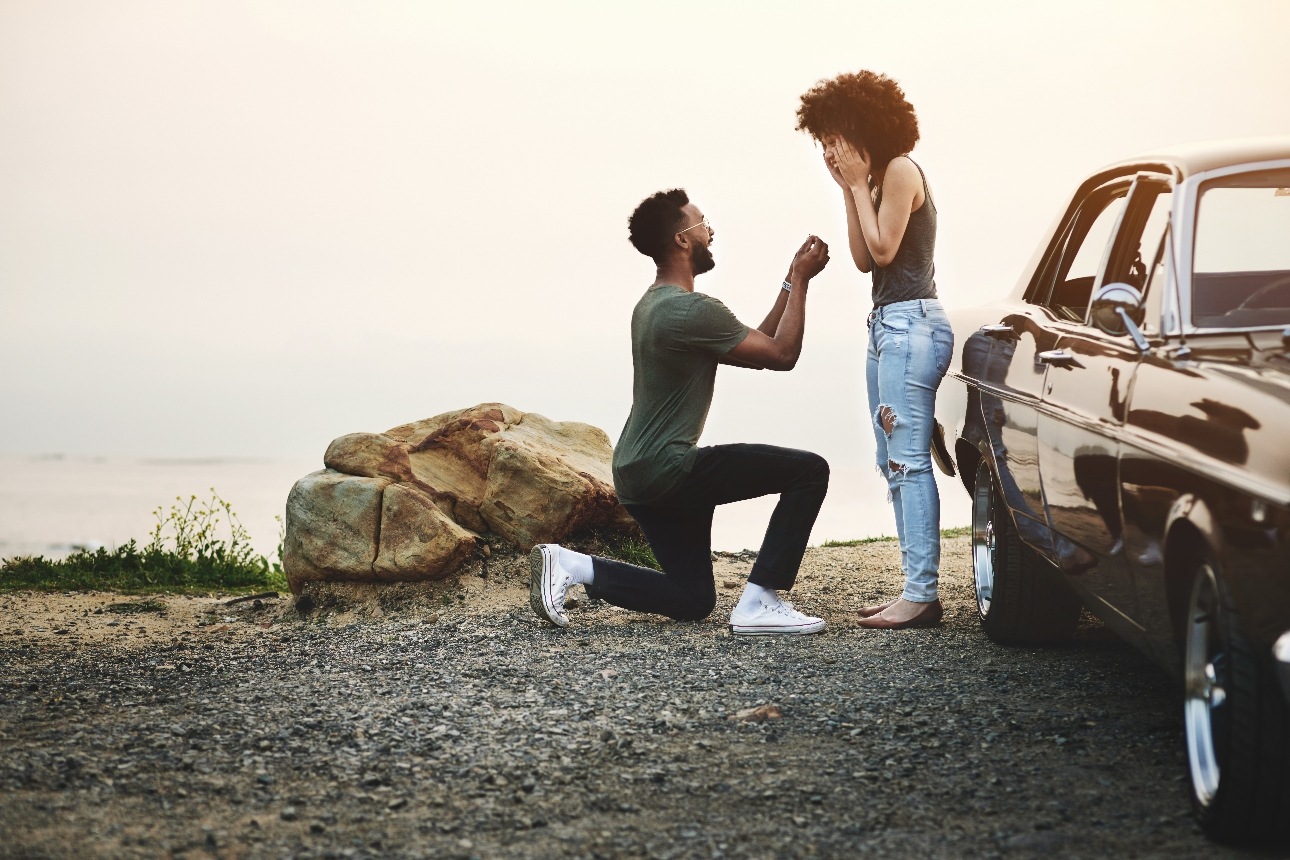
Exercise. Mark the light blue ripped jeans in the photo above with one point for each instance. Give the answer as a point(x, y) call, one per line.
point(910, 345)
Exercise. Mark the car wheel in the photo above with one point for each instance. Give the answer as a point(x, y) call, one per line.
point(1236, 722)
point(1020, 596)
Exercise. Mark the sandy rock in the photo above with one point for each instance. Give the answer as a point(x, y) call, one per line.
point(429, 489)
point(369, 455)
point(418, 539)
point(333, 523)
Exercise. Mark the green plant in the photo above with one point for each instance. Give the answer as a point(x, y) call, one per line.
point(632, 550)
point(196, 547)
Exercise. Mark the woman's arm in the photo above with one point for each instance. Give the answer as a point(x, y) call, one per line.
point(883, 231)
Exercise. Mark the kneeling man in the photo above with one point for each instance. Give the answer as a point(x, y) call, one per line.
point(669, 484)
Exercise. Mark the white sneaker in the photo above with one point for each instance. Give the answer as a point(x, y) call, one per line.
point(772, 618)
point(549, 584)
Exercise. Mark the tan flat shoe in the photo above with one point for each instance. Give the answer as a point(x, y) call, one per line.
point(928, 616)
point(870, 611)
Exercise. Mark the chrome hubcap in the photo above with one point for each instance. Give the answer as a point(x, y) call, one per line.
point(1205, 673)
point(983, 538)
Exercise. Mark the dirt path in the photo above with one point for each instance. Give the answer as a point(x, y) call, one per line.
point(447, 722)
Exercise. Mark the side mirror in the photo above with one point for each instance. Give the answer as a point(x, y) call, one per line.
point(1107, 303)
point(1117, 309)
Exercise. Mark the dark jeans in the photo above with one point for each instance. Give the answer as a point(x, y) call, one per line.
point(679, 529)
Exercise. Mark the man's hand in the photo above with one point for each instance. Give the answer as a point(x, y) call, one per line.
point(778, 343)
point(810, 259)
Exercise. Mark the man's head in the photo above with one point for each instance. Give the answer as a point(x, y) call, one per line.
point(667, 225)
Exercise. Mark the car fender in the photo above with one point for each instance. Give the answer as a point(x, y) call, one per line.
point(1032, 533)
point(1193, 510)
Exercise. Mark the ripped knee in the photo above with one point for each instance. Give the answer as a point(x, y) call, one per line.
point(895, 468)
point(887, 418)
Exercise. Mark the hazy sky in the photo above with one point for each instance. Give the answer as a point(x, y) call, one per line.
point(244, 228)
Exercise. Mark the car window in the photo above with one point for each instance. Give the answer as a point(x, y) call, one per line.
point(1138, 256)
point(1066, 282)
point(1144, 263)
point(1241, 256)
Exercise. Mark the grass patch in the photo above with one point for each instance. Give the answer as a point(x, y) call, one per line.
point(958, 531)
point(628, 546)
point(635, 551)
point(197, 548)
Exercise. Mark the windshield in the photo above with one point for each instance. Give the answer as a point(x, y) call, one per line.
point(1241, 262)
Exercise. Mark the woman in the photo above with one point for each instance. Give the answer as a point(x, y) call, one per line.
point(867, 129)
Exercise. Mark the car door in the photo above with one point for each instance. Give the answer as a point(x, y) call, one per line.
point(1087, 385)
point(1001, 357)
point(1005, 357)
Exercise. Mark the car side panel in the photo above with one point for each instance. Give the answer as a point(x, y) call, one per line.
point(1005, 382)
point(1083, 412)
point(1195, 440)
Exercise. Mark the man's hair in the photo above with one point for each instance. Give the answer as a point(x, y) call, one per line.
point(867, 109)
point(655, 221)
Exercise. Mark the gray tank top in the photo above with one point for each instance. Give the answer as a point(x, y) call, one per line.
point(911, 273)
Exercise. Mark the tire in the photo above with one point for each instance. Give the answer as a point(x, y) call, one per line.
point(1236, 722)
point(1020, 596)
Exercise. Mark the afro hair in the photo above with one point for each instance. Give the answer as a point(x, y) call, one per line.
point(869, 110)
point(655, 222)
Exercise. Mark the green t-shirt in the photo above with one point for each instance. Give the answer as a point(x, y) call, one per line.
point(677, 339)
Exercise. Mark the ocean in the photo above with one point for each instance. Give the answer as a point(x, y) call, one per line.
point(52, 504)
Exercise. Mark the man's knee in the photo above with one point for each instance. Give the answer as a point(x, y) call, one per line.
point(699, 607)
point(816, 469)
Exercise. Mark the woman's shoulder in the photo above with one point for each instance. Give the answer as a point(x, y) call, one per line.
point(908, 176)
point(904, 167)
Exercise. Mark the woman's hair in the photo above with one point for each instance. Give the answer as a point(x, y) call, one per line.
point(655, 222)
point(869, 110)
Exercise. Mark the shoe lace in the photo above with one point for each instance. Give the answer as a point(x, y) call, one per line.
point(786, 609)
point(563, 582)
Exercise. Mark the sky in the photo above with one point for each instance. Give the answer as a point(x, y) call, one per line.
point(241, 229)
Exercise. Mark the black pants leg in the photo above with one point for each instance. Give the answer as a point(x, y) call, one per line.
point(679, 529)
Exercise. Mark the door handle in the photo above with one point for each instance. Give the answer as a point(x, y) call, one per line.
point(1002, 331)
point(1058, 358)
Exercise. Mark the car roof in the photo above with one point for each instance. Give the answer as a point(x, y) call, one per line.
point(1191, 158)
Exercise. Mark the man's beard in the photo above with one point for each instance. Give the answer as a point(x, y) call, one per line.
point(701, 259)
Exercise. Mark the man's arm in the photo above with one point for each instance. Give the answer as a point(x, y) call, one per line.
point(780, 350)
point(768, 326)
point(771, 324)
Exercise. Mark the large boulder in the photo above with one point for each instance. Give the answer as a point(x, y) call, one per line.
point(411, 503)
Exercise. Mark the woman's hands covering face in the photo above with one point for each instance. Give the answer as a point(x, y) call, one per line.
point(848, 167)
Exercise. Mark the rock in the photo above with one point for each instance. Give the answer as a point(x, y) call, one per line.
point(759, 714)
point(411, 503)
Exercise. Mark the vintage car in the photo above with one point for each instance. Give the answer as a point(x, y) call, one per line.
point(1121, 421)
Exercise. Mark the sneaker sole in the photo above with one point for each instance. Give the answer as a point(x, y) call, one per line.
point(746, 630)
point(537, 598)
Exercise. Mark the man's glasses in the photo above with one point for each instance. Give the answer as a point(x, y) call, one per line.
point(704, 223)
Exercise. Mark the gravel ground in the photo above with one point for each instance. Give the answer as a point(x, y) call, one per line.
point(446, 722)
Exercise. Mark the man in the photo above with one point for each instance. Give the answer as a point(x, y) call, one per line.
point(667, 483)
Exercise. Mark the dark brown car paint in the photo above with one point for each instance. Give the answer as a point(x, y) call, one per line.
point(1124, 468)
